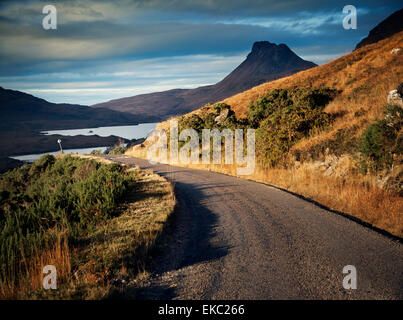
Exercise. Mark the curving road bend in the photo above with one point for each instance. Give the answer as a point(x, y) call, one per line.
point(232, 238)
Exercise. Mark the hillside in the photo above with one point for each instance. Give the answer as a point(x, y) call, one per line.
point(325, 133)
point(363, 79)
point(364, 76)
point(24, 116)
point(20, 110)
point(267, 61)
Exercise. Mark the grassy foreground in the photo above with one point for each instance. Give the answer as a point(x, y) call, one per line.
point(94, 220)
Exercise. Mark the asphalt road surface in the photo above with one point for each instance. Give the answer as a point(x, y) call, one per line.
point(231, 238)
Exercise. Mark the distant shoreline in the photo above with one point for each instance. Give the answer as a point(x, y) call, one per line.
point(24, 143)
point(19, 144)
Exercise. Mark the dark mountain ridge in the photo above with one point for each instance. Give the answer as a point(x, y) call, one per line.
point(24, 116)
point(23, 111)
point(267, 61)
point(387, 28)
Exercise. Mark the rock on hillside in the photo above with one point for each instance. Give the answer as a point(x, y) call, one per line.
point(396, 96)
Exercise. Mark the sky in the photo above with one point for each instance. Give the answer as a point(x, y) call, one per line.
point(103, 50)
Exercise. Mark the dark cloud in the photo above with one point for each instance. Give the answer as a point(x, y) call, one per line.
point(93, 35)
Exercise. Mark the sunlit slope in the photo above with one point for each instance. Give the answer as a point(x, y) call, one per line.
point(365, 76)
point(327, 165)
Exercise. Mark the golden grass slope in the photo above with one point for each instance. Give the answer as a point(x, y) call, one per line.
point(364, 78)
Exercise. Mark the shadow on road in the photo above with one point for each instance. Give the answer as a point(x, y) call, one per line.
point(186, 240)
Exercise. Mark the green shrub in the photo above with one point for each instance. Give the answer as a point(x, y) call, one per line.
point(39, 201)
point(96, 152)
point(283, 117)
point(206, 120)
point(381, 140)
point(280, 118)
point(118, 150)
point(280, 99)
point(191, 122)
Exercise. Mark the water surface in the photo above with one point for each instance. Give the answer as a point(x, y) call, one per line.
point(128, 132)
point(36, 156)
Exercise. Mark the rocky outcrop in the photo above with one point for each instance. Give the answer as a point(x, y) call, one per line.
point(395, 96)
point(222, 116)
point(331, 165)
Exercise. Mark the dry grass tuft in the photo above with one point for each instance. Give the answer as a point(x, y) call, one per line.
point(59, 256)
point(364, 200)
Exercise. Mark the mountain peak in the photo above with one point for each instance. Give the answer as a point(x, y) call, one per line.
point(266, 46)
point(261, 45)
point(267, 61)
point(270, 58)
point(265, 50)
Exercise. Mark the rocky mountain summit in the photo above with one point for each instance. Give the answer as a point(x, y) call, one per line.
point(267, 61)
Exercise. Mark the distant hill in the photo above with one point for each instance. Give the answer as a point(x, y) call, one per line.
point(8, 164)
point(388, 27)
point(267, 61)
point(23, 111)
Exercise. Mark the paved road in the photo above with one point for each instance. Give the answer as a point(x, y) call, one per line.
point(237, 239)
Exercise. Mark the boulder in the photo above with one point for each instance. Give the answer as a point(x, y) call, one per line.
point(395, 96)
point(222, 116)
